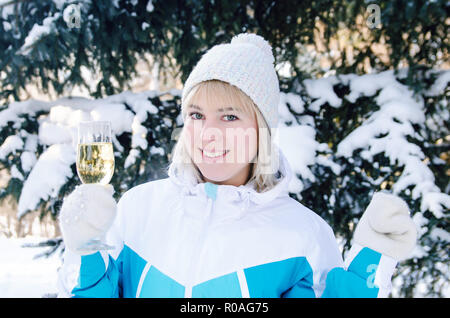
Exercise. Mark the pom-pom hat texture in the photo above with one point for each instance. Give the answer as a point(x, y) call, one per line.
point(246, 62)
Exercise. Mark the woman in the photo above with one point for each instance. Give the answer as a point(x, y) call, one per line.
point(223, 224)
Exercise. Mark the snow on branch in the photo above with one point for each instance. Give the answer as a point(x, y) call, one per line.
point(57, 132)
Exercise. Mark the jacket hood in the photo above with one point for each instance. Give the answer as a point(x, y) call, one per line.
point(242, 194)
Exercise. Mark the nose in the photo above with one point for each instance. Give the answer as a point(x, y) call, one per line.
point(210, 132)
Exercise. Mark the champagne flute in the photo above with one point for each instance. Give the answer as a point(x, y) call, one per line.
point(95, 163)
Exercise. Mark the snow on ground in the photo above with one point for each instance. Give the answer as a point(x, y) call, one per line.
point(22, 276)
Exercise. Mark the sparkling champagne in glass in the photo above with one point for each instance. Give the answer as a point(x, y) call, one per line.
point(95, 162)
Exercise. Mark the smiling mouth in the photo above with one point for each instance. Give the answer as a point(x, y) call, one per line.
point(214, 154)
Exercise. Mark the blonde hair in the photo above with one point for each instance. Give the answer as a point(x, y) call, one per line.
point(231, 95)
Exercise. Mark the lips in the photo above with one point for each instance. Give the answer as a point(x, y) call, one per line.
point(213, 155)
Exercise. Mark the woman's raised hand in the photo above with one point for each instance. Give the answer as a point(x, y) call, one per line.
point(387, 227)
point(87, 213)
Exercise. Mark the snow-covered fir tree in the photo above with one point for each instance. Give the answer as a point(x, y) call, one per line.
point(363, 127)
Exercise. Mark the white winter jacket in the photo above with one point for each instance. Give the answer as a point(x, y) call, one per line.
point(174, 237)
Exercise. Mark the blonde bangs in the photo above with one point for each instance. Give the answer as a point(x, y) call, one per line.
point(217, 92)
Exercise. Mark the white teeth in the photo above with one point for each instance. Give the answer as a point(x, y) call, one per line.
point(213, 154)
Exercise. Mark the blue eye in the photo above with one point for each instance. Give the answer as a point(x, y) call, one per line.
point(235, 118)
point(190, 115)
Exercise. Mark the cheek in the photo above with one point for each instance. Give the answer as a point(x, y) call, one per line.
point(244, 144)
point(189, 139)
point(191, 134)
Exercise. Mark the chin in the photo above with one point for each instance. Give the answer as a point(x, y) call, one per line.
point(214, 174)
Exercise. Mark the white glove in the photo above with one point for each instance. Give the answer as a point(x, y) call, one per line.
point(87, 213)
point(386, 227)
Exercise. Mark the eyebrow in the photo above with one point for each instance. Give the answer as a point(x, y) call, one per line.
point(221, 110)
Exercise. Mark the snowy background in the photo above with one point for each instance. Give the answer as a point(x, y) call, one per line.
point(22, 275)
point(37, 134)
point(398, 112)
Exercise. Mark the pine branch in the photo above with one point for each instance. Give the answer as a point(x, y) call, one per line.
point(5, 4)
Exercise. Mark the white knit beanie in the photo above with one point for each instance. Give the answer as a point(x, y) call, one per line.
point(247, 63)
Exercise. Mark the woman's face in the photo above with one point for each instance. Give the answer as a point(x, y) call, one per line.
point(221, 140)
